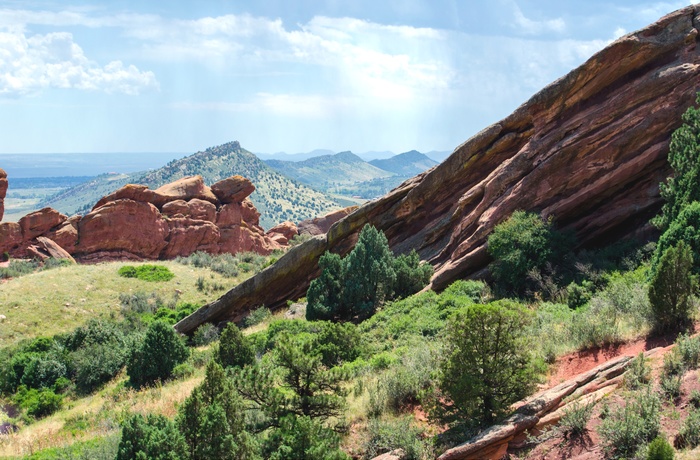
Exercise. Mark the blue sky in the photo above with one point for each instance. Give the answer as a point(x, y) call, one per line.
point(281, 75)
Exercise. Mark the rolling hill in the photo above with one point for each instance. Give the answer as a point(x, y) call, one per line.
point(276, 197)
point(406, 164)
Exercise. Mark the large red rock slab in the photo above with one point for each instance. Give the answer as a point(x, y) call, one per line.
point(10, 237)
point(45, 248)
point(3, 191)
point(589, 150)
point(186, 189)
point(39, 222)
point(249, 213)
point(233, 189)
point(282, 233)
point(190, 235)
point(123, 225)
point(195, 209)
point(320, 225)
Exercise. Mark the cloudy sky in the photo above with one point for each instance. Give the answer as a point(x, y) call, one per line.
point(281, 75)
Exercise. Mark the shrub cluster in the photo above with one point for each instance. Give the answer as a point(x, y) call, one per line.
point(146, 272)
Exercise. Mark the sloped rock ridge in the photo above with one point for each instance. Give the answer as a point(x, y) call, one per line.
point(137, 223)
point(589, 150)
point(3, 191)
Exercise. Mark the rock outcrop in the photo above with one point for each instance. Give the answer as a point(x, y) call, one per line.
point(589, 150)
point(3, 191)
point(136, 223)
point(321, 225)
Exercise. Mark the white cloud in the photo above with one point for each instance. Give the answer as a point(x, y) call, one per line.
point(532, 27)
point(29, 64)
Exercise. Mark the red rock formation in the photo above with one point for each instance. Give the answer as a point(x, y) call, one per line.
point(588, 150)
point(136, 223)
point(39, 222)
point(3, 191)
point(46, 248)
point(123, 225)
point(321, 225)
point(282, 233)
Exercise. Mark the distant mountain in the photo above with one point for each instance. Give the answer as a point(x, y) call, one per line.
point(376, 155)
point(405, 164)
point(283, 156)
point(329, 171)
point(277, 197)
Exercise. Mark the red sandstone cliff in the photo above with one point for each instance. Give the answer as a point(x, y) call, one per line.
point(589, 150)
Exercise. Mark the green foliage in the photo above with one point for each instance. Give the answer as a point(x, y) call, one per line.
point(627, 428)
point(387, 435)
point(211, 420)
point(684, 157)
point(670, 385)
point(302, 438)
point(660, 449)
point(205, 334)
point(521, 246)
point(174, 315)
point(686, 228)
point(671, 287)
point(292, 379)
point(638, 372)
point(151, 438)
point(574, 422)
point(147, 272)
point(17, 268)
point(155, 357)
point(37, 403)
point(257, 316)
point(94, 449)
point(689, 433)
point(355, 286)
point(488, 363)
point(234, 348)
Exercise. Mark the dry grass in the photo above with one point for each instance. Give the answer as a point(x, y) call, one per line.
point(58, 300)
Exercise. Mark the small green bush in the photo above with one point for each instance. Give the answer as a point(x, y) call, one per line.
point(17, 268)
point(688, 348)
point(385, 436)
point(234, 348)
point(694, 398)
point(257, 316)
point(146, 272)
point(155, 357)
point(638, 373)
point(689, 433)
point(671, 385)
point(660, 449)
point(205, 334)
point(575, 420)
point(37, 403)
point(627, 428)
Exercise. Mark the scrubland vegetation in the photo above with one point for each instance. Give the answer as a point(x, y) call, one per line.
point(375, 366)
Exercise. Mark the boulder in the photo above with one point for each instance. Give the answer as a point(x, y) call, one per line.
point(39, 222)
point(123, 225)
point(320, 225)
point(589, 151)
point(66, 234)
point(134, 192)
point(186, 189)
point(190, 235)
point(233, 189)
point(249, 214)
point(195, 209)
point(282, 233)
point(3, 191)
point(10, 237)
point(45, 248)
point(244, 238)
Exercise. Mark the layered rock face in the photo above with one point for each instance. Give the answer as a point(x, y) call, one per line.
point(138, 223)
point(3, 191)
point(588, 150)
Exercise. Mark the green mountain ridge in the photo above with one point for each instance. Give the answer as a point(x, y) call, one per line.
point(276, 197)
point(406, 164)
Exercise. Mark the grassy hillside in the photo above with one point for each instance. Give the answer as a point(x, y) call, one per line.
point(276, 197)
point(406, 164)
point(329, 171)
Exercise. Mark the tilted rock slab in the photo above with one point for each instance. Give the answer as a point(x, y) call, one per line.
point(588, 150)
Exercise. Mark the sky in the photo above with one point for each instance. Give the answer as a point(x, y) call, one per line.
point(281, 75)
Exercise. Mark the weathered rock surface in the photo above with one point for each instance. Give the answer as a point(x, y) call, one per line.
point(135, 223)
point(46, 248)
point(3, 191)
point(233, 189)
point(321, 225)
point(282, 233)
point(588, 150)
